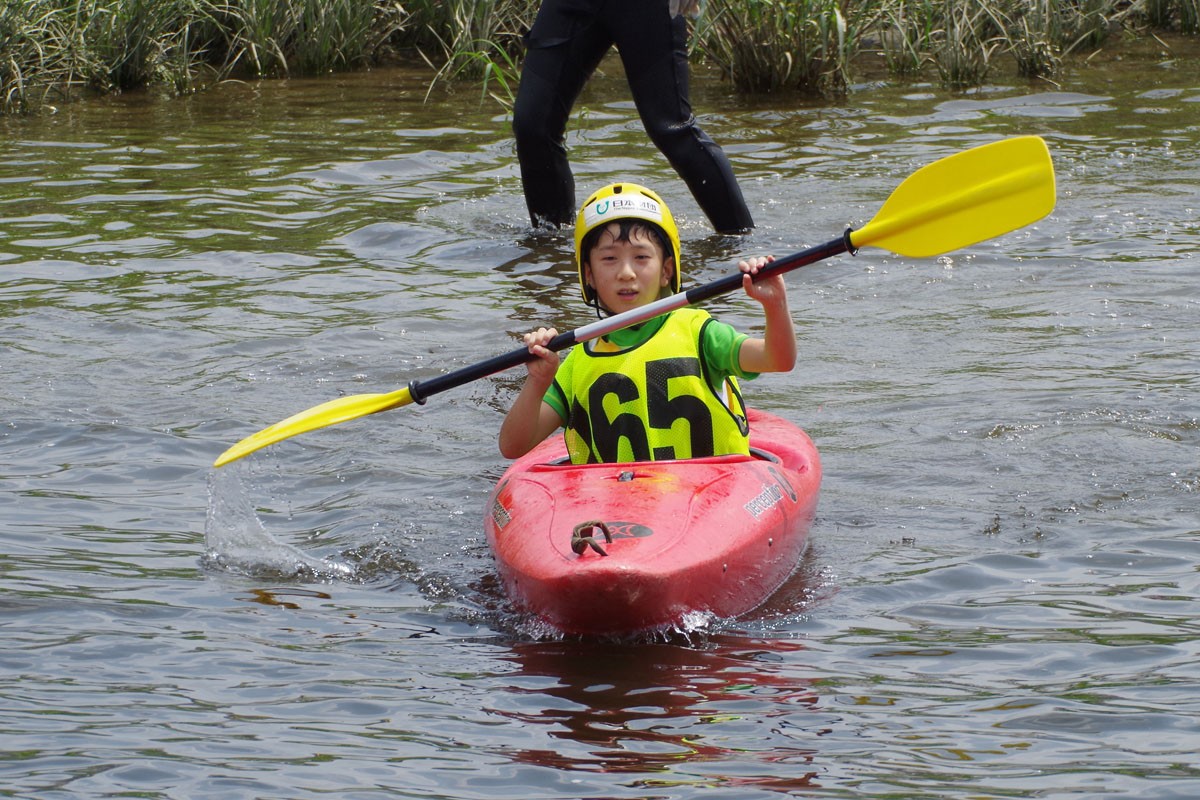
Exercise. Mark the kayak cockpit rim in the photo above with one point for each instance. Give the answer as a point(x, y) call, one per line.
point(756, 454)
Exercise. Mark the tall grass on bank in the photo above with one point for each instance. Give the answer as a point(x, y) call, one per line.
point(283, 37)
point(962, 53)
point(31, 49)
point(907, 33)
point(473, 39)
point(1035, 39)
point(60, 48)
point(56, 48)
point(808, 45)
point(962, 41)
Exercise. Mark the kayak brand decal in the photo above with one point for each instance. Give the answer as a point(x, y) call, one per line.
point(629, 530)
point(767, 499)
point(500, 515)
point(783, 482)
point(772, 494)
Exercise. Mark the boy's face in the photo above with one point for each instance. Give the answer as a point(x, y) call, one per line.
point(627, 274)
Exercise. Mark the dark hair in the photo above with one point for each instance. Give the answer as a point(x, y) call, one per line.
point(628, 226)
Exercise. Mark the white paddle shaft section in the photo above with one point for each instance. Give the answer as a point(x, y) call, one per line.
point(633, 316)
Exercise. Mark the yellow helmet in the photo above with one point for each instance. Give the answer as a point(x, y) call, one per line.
point(624, 201)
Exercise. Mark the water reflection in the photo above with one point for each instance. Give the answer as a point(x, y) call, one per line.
point(645, 708)
point(279, 596)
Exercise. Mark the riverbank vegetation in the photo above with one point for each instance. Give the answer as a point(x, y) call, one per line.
point(53, 50)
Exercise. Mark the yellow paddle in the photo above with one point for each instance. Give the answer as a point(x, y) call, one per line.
point(953, 202)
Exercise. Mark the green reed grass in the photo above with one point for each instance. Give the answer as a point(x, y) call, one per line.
point(59, 48)
point(463, 35)
point(962, 52)
point(276, 37)
point(477, 40)
point(1180, 15)
point(283, 37)
point(907, 34)
point(1033, 36)
point(1189, 16)
point(30, 54)
point(806, 45)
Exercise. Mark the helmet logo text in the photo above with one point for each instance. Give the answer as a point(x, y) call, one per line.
point(620, 207)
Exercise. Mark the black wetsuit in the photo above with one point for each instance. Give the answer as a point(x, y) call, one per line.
point(565, 45)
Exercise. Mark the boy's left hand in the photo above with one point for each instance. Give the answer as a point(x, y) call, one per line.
point(770, 290)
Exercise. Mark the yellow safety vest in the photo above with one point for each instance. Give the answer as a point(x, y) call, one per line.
point(653, 401)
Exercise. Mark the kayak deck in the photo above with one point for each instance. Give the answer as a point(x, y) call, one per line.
point(712, 535)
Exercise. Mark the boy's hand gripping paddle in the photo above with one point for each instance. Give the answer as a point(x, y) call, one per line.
point(954, 202)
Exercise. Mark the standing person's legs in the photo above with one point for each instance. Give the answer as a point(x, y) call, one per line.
point(653, 48)
point(564, 47)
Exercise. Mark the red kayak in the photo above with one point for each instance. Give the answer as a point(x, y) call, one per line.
point(626, 548)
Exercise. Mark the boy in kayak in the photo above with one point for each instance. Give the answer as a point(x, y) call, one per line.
point(664, 389)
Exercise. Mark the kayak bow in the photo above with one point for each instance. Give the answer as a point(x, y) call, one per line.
point(668, 539)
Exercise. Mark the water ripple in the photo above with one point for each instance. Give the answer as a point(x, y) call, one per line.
point(998, 596)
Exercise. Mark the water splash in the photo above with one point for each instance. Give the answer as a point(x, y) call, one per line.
point(235, 539)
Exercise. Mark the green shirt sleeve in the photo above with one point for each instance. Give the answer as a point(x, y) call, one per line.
point(555, 396)
point(722, 345)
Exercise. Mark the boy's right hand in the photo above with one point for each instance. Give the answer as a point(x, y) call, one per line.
point(771, 290)
point(543, 368)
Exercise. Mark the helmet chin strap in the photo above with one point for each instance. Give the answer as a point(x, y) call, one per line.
point(601, 311)
point(604, 313)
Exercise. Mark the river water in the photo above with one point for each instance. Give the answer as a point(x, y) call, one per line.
point(1000, 594)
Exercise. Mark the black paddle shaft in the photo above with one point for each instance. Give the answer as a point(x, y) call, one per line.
point(422, 390)
point(779, 266)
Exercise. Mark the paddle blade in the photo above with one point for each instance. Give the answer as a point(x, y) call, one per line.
point(965, 198)
point(330, 413)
